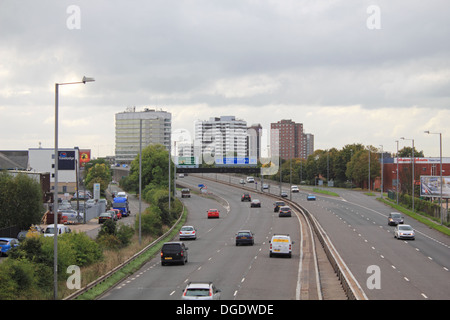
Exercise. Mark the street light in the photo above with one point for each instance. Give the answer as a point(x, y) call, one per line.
point(397, 186)
point(382, 164)
point(440, 160)
point(412, 155)
point(55, 194)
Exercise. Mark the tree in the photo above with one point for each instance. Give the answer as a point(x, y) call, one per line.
point(407, 152)
point(98, 173)
point(358, 167)
point(20, 201)
point(155, 169)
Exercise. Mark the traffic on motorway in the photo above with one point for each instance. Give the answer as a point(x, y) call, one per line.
point(234, 255)
point(245, 252)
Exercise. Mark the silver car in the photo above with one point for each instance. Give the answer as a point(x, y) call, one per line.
point(201, 291)
point(188, 232)
point(404, 232)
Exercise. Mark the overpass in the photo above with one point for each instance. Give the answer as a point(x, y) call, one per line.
point(121, 172)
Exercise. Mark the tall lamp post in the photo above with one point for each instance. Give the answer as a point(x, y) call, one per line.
point(412, 158)
point(55, 195)
point(397, 186)
point(440, 161)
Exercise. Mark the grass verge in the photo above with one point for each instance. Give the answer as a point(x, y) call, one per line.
point(425, 220)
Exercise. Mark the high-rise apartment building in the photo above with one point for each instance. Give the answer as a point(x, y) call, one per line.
point(289, 141)
point(221, 137)
point(156, 129)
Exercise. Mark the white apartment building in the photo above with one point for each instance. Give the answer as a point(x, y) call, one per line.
point(222, 137)
point(156, 129)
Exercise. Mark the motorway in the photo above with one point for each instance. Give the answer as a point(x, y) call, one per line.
point(244, 272)
point(384, 267)
point(357, 225)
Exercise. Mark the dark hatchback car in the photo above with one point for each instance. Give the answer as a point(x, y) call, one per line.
point(246, 197)
point(244, 237)
point(277, 205)
point(395, 218)
point(174, 252)
point(285, 211)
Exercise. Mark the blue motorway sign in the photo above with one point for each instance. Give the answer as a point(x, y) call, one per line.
point(236, 160)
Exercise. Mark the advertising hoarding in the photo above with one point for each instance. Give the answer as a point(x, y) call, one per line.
point(430, 186)
point(66, 160)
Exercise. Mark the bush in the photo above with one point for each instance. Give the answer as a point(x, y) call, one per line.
point(109, 241)
point(124, 234)
point(151, 223)
point(87, 251)
point(114, 237)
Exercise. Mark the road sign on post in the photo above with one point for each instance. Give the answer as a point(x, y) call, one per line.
point(96, 191)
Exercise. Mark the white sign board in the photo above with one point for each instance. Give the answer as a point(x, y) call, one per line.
point(96, 191)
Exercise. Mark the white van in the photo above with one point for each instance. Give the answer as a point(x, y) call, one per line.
point(50, 230)
point(281, 244)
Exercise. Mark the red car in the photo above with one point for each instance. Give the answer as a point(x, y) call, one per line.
point(213, 213)
point(118, 213)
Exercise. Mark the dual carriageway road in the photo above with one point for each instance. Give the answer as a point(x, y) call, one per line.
point(385, 268)
point(244, 272)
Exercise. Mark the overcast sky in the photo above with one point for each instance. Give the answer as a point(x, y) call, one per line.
point(352, 71)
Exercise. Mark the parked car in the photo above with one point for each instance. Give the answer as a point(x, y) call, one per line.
point(404, 231)
point(72, 216)
point(280, 244)
point(60, 229)
point(277, 205)
point(246, 197)
point(245, 237)
point(310, 197)
point(33, 231)
point(7, 244)
point(188, 232)
point(200, 291)
point(108, 215)
point(395, 218)
point(213, 213)
point(117, 212)
point(174, 252)
point(255, 203)
point(285, 211)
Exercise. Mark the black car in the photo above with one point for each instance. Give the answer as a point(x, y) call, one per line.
point(277, 205)
point(246, 197)
point(285, 211)
point(174, 252)
point(244, 237)
point(395, 218)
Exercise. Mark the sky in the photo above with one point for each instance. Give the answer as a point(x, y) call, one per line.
point(352, 71)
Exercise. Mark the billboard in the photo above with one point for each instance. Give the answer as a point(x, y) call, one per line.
point(66, 160)
point(85, 157)
point(430, 186)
